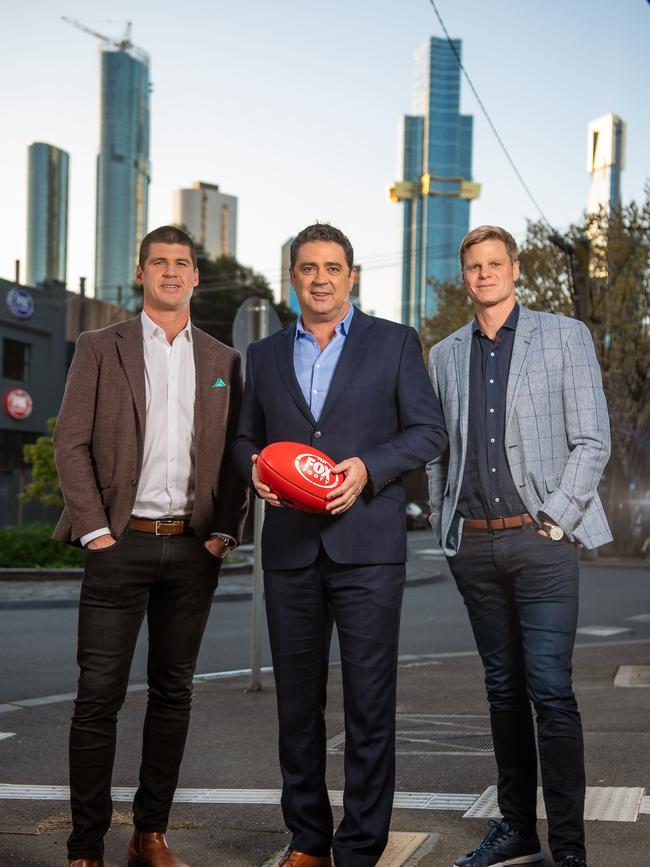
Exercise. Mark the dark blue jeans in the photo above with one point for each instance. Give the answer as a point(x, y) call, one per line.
point(171, 580)
point(521, 593)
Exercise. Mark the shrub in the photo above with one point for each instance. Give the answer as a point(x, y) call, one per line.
point(32, 546)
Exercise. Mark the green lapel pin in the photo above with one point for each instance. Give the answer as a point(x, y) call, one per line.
point(218, 383)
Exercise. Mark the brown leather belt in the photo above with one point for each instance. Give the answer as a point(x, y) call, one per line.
point(499, 523)
point(163, 527)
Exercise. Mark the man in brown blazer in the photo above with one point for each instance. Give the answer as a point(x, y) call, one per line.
point(141, 445)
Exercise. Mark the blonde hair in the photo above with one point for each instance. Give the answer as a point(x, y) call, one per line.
point(488, 233)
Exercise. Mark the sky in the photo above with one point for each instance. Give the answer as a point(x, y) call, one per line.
point(294, 106)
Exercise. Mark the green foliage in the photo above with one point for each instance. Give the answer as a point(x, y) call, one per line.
point(44, 486)
point(32, 546)
point(224, 285)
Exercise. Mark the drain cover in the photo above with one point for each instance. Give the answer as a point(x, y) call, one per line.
point(418, 734)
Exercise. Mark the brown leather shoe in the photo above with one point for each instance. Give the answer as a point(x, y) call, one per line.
point(151, 850)
point(84, 862)
point(292, 858)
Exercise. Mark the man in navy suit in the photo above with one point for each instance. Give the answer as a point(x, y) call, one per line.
point(355, 387)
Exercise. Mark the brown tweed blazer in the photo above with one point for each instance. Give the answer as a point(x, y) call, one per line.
point(99, 435)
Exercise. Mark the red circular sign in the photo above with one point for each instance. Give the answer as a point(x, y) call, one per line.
point(18, 404)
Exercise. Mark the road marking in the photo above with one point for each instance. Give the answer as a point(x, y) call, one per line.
point(603, 631)
point(19, 704)
point(640, 618)
point(124, 794)
point(633, 675)
point(4, 735)
point(602, 804)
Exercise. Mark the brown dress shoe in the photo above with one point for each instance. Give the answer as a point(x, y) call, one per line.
point(84, 862)
point(292, 858)
point(151, 850)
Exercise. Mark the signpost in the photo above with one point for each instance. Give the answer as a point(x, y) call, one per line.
point(254, 320)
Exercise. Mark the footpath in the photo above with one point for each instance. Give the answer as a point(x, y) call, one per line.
point(227, 811)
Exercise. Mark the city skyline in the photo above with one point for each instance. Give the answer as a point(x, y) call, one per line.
point(209, 216)
point(300, 139)
point(434, 190)
point(47, 213)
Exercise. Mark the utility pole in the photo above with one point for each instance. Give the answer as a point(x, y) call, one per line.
point(578, 257)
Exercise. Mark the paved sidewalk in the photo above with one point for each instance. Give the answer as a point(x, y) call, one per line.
point(227, 812)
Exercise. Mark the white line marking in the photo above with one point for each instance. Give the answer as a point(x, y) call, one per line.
point(4, 735)
point(122, 794)
point(243, 672)
point(640, 618)
point(603, 631)
point(602, 804)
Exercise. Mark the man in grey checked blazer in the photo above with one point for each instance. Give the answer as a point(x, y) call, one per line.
point(528, 427)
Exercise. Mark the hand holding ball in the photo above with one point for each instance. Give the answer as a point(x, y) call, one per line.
point(301, 476)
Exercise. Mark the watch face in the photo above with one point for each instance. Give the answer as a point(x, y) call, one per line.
point(556, 533)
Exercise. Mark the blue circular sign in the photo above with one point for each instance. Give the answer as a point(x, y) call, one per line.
point(20, 303)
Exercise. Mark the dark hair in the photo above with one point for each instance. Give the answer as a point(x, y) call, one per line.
point(165, 235)
point(322, 232)
point(488, 233)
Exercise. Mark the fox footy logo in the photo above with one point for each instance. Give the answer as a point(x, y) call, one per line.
point(316, 470)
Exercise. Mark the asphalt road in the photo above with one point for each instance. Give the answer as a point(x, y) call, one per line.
point(37, 643)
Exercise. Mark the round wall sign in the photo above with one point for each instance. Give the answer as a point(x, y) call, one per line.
point(20, 303)
point(18, 404)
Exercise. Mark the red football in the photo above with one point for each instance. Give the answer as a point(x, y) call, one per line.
point(300, 475)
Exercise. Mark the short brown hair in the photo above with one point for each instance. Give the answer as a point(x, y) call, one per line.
point(488, 233)
point(165, 235)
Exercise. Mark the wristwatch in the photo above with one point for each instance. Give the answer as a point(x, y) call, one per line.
point(228, 542)
point(554, 532)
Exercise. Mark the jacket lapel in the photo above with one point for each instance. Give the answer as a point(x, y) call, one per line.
point(203, 372)
point(462, 349)
point(283, 347)
point(131, 352)
point(526, 327)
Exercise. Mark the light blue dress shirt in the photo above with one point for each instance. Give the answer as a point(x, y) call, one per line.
point(315, 369)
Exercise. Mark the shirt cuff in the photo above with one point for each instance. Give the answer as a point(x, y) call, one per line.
point(88, 537)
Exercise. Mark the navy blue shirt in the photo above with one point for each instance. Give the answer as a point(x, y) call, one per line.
point(488, 490)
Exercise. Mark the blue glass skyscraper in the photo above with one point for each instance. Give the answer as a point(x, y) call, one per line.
point(436, 189)
point(47, 213)
point(123, 172)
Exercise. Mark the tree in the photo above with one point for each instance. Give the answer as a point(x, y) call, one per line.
point(224, 285)
point(454, 310)
point(44, 486)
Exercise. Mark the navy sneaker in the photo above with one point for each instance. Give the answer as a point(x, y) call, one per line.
point(571, 861)
point(502, 846)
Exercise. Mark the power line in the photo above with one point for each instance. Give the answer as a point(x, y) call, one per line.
point(488, 118)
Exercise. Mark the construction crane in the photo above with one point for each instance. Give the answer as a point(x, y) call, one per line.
point(121, 44)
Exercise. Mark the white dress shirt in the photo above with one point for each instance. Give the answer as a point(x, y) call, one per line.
point(166, 485)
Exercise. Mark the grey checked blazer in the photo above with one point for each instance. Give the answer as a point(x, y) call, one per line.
point(557, 426)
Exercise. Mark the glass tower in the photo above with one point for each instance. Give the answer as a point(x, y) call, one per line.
point(123, 173)
point(47, 213)
point(436, 163)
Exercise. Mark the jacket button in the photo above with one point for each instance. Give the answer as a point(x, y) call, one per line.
point(317, 434)
point(134, 482)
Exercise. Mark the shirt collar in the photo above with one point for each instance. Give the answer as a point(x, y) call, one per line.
point(510, 323)
point(342, 328)
point(150, 329)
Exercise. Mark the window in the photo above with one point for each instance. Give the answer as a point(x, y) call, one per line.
point(16, 360)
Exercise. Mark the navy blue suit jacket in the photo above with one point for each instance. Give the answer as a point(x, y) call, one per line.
point(381, 407)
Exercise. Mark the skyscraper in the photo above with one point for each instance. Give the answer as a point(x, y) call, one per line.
point(123, 172)
point(605, 161)
point(47, 213)
point(209, 216)
point(287, 292)
point(436, 186)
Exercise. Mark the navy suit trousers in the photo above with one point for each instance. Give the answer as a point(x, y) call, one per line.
point(364, 601)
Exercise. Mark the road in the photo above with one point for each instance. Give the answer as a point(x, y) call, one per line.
point(37, 643)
